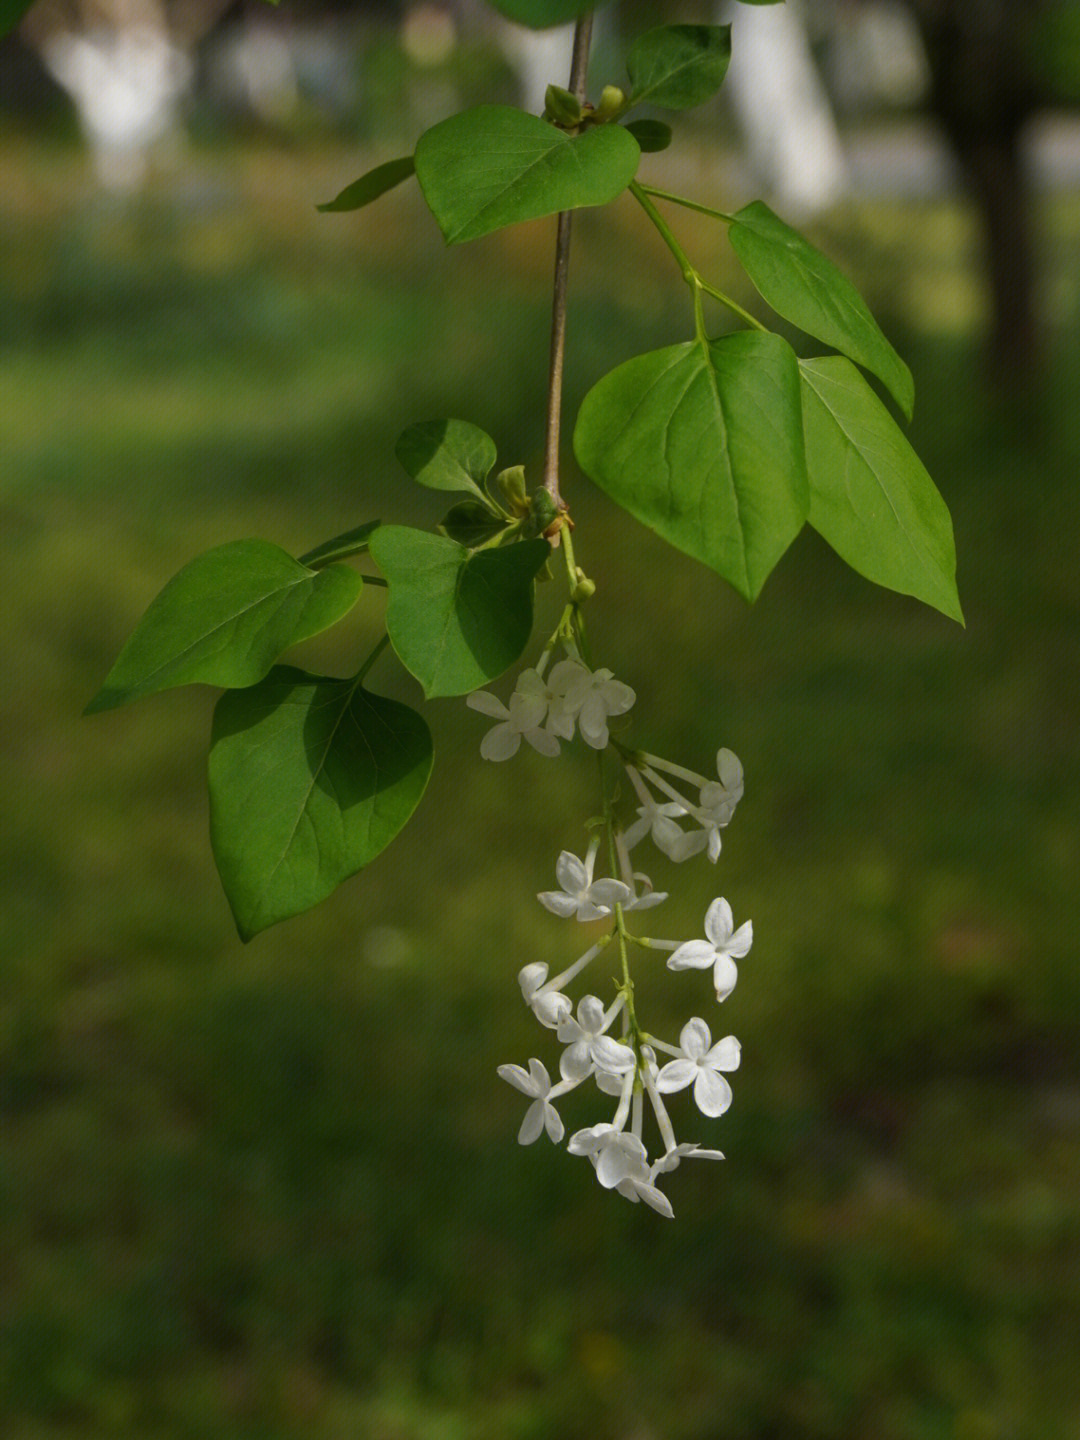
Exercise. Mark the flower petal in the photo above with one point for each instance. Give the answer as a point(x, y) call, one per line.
point(719, 922)
point(517, 1077)
point(725, 1054)
point(500, 743)
point(740, 942)
point(559, 903)
point(543, 742)
point(607, 1054)
point(694, 1038)
point(725, 974)
point(487, 704)
point(692, 955)
point(654, 1197)
point(676, 1075)
point(553, 1124)
point(571, 873)
point(531, 977)
point(712, 1093)
point(576, 1063)
point(533, 1123)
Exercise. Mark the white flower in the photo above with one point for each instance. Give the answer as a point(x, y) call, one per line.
point(646, 897)
point(667, 835)
point(548, 1004)
point(588, 1044)
point(541, 1114)
point(581, 895)
point(523, 719)
point(590, 697)
point(721, 949)
point(681, 1152)
point(621, 1164)
point(700, 1064)
point(719, 799)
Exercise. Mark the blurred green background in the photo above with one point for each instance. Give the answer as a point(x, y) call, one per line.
point(273, 1191)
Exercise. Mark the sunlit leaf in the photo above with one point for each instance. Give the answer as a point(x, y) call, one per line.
point(805, 287)
point(703, 443)
point(870, 496)
point(225, 618)
point(447, 455)
point(494, 166)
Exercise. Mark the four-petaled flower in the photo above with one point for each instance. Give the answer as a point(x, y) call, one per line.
point(699, 1065)
point(589, 696)
point(667, 835)
point(722, 947)
point(581, 895)
point(524, 719)
point(588, 1046)
point(541, 1114)
point(548, 1004)
point(719, 798)
point(621, 1164)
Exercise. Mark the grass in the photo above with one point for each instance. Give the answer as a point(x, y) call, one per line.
point(272, 1191)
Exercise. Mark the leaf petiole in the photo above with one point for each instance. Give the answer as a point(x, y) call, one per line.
point(686, 204)
point(370, 661)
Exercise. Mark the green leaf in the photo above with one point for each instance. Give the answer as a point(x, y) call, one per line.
point(805, 287)
point(678, 66)
point(447, 455)
point(310, 779)
point(541, 14)
point(870, 496)
point(471, 524)
point(11, 12)
point(703, 443)
point(371, 185)
point(352, 542)
point(494, 166)
point(651, 135)
point(456, 619)
point(224, 620)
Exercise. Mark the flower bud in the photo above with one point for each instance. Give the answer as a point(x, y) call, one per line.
point(561, 106)
point(612, 103)
point(510, 484)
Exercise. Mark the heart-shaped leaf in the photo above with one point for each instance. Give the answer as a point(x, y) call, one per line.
point(805, 287)
point(494, 166)
point(703, 443)
point(678, 66)
point(225, 618)
point(456, 618)
point(870, 496)
point(371, 185)
point(447, 455)
point(310, 779)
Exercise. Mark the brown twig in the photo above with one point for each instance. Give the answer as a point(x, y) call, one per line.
point(578, 67)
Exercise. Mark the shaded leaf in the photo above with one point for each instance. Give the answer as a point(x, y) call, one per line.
point(678, 66)
point(870, 495)
point(805, 287)
point(703, 443)
point(471, 524)
point(447, 455)
point(651, 135)
point(456, 619)
point(494, 166)
point(225, 618)
point(352, 542)
point(370, 186)
point(310, 779)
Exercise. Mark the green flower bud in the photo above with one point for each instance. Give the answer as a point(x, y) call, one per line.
point(561, 106)
point(612, 103)
point(510, 484)
point(542, 512)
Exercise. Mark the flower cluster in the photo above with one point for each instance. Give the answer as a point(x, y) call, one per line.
point(543, 712)
point(683, 813)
